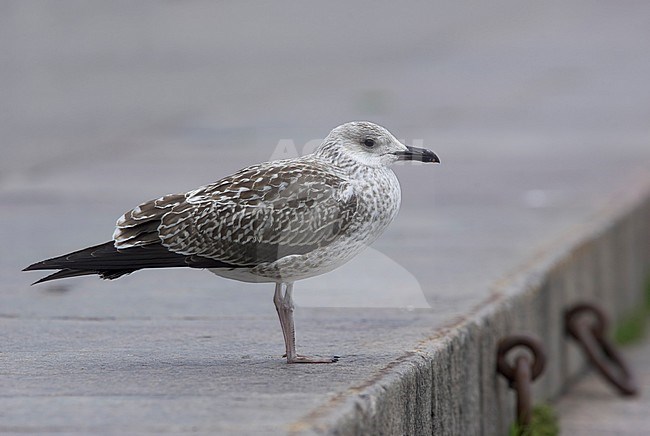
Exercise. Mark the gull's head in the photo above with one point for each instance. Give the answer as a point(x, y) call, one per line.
point(369, 144)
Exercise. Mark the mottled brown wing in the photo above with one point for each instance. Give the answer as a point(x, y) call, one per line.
point(259, 214)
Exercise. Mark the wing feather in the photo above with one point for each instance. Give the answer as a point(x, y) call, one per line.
point(259, 214)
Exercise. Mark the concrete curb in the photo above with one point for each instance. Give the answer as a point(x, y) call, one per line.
point(447, 384)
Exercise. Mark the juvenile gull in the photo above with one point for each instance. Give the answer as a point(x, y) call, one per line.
point(274, 222)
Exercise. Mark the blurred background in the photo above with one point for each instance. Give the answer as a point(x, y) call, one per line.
point(81, 79)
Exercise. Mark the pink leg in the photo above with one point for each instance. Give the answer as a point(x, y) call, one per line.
point(284, 306)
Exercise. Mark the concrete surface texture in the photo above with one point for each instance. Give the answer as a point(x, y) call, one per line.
point(539, 114)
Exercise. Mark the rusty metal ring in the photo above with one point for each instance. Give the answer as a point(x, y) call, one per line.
point(599, 327)
point(523, 372)
point(599, 350)
point(531, 343)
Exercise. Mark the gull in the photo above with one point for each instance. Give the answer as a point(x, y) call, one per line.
point(274, 222)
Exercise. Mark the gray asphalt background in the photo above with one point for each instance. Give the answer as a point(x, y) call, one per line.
point(539, 112)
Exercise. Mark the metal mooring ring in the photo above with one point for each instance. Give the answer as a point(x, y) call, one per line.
point(523, 372)
point(533, 344)
point(599, 350)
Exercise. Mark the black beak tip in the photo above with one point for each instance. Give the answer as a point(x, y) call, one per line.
point(430, 156)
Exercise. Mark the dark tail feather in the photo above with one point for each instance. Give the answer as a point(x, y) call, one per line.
point(110, 263)
point(64, 273)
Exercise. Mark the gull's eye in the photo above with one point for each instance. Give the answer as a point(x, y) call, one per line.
point(369, 143)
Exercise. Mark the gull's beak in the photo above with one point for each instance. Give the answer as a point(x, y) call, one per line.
point(419, 154)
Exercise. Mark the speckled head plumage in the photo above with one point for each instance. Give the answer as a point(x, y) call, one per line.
point(366, 143)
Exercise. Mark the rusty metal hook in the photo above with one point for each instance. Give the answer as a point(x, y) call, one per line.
point(523, 372)
point(601, 352)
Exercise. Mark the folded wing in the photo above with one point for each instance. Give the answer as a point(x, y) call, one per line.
point(259, 214)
